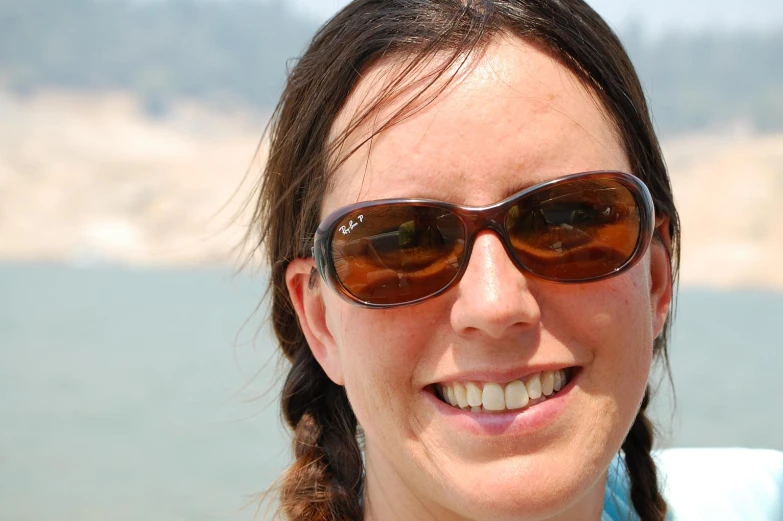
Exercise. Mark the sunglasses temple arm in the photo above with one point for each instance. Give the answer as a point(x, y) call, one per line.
point(320, 263)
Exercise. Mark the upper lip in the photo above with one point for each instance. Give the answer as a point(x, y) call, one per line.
point(500, 376)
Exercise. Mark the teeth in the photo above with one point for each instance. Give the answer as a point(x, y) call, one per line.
point(534, 386)
point(547, 383)
point(461, 395)
point(450, 396)
point(474, 394)
point(558, 383)
point(516, 395)
point(493, 397)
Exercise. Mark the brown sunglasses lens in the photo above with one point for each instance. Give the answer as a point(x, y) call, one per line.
point(393, 254)
point(574, 231)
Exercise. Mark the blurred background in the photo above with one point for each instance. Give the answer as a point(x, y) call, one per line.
point(138, 379)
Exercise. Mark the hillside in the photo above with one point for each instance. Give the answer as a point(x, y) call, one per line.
point(239, 50)
point(90, 180)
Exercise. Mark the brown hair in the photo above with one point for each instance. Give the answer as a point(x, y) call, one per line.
point(325, 481)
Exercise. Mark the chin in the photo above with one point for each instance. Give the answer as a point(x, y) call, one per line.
point(510, 490)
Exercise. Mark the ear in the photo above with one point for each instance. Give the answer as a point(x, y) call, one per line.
point(660, 274)
point(309, 306)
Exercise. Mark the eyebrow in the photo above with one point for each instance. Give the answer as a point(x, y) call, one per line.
point(518, 187)
point(452, 196)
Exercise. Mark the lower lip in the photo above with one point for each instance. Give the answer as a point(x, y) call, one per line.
point(522, 421)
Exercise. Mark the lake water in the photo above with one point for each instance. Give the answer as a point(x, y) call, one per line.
point(136, 394)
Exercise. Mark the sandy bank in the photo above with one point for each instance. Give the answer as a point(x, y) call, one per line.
point(90, 180)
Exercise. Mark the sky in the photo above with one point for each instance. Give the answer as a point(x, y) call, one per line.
point(656, 15)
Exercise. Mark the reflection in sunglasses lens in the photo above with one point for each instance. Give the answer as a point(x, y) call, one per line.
point(392, 254)
point(577, 230)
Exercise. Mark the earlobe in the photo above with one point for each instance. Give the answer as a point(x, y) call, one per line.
point(309, 306)
point(660, 275)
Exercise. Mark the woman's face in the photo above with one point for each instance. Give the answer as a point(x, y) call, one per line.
point(517, 118)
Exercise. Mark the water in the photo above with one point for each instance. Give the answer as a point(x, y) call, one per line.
point(131, 394)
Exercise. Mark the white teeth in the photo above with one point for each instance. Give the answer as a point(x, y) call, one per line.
point(516, 395)
point(443, 392)
point(534, 386)
point(558, 383)
point(450, 396)
point(492, 398)
point(461, 395)
point(474, 394)
point(547, 383)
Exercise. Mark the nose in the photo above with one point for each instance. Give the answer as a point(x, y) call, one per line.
point(493, 295)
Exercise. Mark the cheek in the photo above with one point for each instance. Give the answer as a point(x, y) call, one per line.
point(609, 325)
point(614, 314)
point(613, 321)
point(627, 327)
point(380, 351)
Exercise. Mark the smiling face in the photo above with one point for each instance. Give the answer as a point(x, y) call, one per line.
point(516, 118)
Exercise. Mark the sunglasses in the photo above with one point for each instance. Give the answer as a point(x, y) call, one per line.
point(574, 229)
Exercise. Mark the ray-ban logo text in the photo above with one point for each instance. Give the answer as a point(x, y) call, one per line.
point(345, 230)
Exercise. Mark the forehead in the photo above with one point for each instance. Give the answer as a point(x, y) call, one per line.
point(512, 117)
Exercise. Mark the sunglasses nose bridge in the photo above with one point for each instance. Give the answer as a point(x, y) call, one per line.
point(477, 221)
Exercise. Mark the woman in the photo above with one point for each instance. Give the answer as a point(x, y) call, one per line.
point(496, 372)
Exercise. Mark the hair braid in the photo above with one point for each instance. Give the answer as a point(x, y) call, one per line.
point(324, 483)
point(645, 494)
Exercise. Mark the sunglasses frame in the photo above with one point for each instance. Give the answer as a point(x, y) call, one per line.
point(477, 219)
